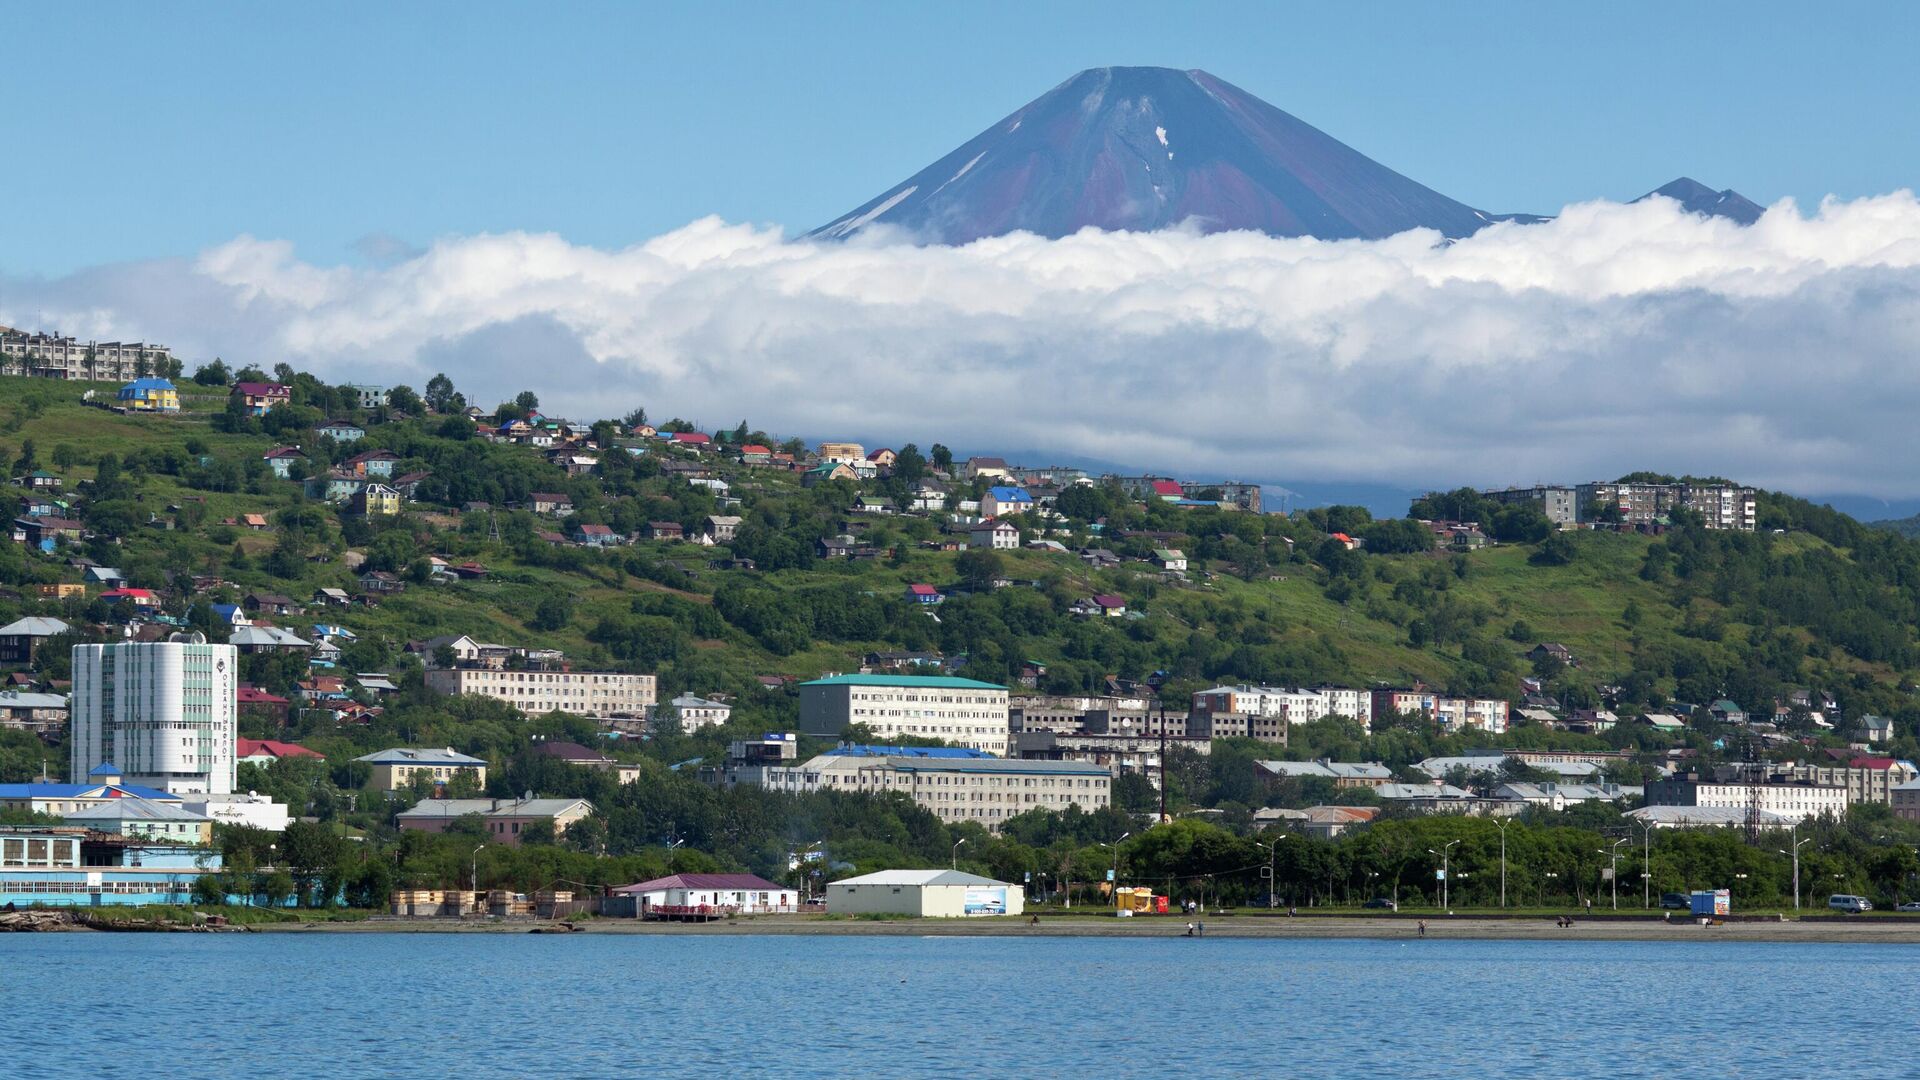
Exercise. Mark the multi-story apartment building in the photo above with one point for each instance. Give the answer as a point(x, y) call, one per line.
point(1560, 504)
point(548, 687)
point(1119, 753)
point(1453, 714)
point(1866, 779)
point(164, 714)
point(52, 356)
point(1214, 724)
point(1293, 705)
point(1721, 506)
point(1794, 802)
point(964, 712)
point(1350, 703)
point(956, 788)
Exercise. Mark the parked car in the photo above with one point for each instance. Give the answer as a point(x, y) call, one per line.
point(1852, 905)
point(1675, 901)
point(1381, 903)
point(1911, 905)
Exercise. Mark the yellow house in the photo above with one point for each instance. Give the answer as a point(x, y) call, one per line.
point(375, 500)
point(150, 395)
point(59, 591)
point(393, 770)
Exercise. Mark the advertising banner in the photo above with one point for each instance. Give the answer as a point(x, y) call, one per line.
point(984, 901)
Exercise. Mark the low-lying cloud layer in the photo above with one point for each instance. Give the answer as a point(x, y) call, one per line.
point(1615, 337)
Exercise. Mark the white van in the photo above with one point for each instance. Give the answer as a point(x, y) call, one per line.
point(1853, 905)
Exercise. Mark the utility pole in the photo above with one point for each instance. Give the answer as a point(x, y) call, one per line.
point(1161, 704)
point(1502, 824)
point(1646, 866)
point(1613, 868)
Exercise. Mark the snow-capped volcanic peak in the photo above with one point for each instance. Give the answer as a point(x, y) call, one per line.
point(1099, 149)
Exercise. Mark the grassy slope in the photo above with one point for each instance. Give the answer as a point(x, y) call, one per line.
point(1580, 605)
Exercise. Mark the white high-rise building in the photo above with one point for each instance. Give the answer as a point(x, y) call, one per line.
point(163, 713)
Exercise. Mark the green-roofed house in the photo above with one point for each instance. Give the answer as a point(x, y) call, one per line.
point(964, 712)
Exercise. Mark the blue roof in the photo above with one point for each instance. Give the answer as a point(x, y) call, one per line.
point(105, 768)
point(860, 750)
point(77, 791)
point(149, 384)
point(225, 610)
point(1009, 494)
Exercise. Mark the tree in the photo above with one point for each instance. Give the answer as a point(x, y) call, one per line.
point(636, 418)
point(552, 613)
point(403, 399)
point(1557, 550)
point(214, 374)
point(942, 458)
point(527, 400)
point(439, 392)
point(979, 567)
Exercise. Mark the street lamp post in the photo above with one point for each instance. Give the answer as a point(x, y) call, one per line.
point(1613, 868)
point(474, 881)
point(1646, 865)
point(956, 852)
point(1796, 864)
point(1446, 878)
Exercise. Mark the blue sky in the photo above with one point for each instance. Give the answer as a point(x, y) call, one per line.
point(355, 131)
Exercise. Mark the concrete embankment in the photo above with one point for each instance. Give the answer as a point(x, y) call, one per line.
point(1513, 929)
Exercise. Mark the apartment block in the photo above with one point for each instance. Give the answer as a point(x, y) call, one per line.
point(541, 689)
point(964, 712)
point(982, 789)
point(161, 714)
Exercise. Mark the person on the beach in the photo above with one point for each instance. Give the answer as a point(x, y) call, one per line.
point(1423, 928)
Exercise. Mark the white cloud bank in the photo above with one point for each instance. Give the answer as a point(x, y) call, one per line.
point(1616, 337)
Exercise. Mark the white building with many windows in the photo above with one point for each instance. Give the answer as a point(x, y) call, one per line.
point(983, 789)
point(964, 712)
point(596, 694)
point(164, 712)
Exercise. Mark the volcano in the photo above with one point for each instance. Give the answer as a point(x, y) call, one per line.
point(1142, 148)
point(1697, 198)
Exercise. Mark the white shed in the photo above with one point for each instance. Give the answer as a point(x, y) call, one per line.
point(924, 893)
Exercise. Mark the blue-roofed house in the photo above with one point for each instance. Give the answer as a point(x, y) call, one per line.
point(1001, 501)
point(150, 395)
point(230, 615)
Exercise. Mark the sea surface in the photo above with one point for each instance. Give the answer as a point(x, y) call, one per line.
point(508, 1005)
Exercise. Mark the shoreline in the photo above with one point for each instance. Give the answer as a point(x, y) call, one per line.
point(1330, 927)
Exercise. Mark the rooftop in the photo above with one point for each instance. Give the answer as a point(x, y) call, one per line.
point(935, 682)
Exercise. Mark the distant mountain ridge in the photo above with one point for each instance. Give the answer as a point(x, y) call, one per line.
point(1698, 198)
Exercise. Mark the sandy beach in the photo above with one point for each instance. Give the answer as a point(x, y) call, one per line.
point(1866, 931)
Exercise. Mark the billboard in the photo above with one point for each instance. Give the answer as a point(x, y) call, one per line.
point(984, 901)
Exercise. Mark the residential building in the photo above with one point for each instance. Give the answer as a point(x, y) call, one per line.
point(1172, 560)
point(504, 819)
point(705, 896)
point(1793, 802)
point(1452, 714)
point(1561, 505)
point(843, 453)
point(547, 502)
point(999, 501)
point(924, 594)
point(963, 712)
point(1906, 801)
point(1119, 752)
point(544, 688)
point(994, 535)
point(828, 471)
point(394, 769)
point(371, 463)
point(688, 713)
point(150, 395)
point(1290, 706)
point(749, 759)
point(344, 431)
point(165, 711)
point(722, 527)
point(586, 757)
point(986, 790)
point(148, 819)
point(924, 894)
point(990, 467)
point(267, 751)
point(1721, 506)
point(371, 397)
point(267, 639)
point(42, 714)
point(1217, 724)
point(1866, 779)
point(259, 398)
point(1342, 774)
point(54, 356)
point(20, 639)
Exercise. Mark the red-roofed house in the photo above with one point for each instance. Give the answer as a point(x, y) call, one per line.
point(1110, 604)
point(258, 397)
point(136, 597)
point(1346, 541)
point(882, 458)
point(924, 594)
point(699, 440)
point(257, 702)
point(755, 454)
point(267, 751)
point(1168, 490)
